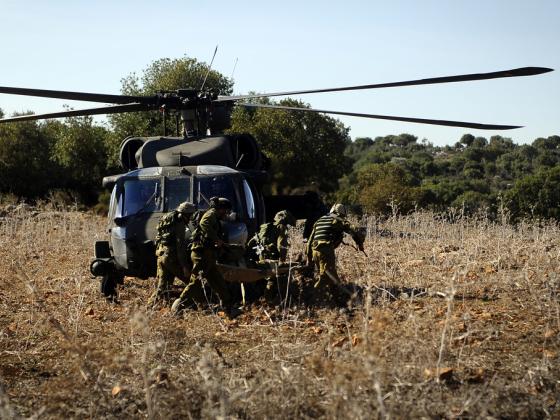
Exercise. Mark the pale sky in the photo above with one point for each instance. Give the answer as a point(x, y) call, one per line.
point(89, 46)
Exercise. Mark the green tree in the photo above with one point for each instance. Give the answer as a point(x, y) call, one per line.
point(537, 195)
point(25, 166)
point(305, 148)
point(79, 151)
point(471, 201)
point(550, 143)
point(356, 148)
point(467, 139)
point(379, 186)
point(479, 142)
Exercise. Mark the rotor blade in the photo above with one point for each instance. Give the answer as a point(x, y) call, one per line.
point(523, 71)
point(392, 118)
point(79, 113)
point(76, 96)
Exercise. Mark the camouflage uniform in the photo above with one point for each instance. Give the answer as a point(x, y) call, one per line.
point(326, 236)
point(204, 255)
point(271, 243)
point(171, 250)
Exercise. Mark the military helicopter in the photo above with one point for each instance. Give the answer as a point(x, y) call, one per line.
point(198, 163)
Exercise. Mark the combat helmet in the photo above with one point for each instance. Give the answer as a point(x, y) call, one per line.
point(186, 208)
point(220, 203)
point(284, 217)
point(339, 210)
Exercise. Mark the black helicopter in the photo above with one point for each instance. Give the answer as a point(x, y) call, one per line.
point(200, 163)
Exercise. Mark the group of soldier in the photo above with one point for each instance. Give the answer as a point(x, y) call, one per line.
point(270, 243)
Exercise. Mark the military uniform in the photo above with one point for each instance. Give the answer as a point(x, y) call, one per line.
point(271, 243)
point(326, 236)
point(171, 250)
point(204, 254)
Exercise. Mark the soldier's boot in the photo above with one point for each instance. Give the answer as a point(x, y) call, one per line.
point(159, 296)
point(192, 294)
point(155, 299)
point(162, 294)
point(178, 307)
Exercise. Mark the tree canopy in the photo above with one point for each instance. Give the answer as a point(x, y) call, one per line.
point(473, 174)
point(305, 148)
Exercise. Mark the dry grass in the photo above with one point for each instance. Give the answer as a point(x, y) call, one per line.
point(458, 320)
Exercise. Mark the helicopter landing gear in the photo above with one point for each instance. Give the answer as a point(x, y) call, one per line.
point(109, 284)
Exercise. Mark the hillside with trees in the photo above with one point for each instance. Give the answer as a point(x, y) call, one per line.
point(475, 174)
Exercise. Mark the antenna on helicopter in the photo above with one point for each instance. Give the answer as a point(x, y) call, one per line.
point(209, 68)
point(234, 67)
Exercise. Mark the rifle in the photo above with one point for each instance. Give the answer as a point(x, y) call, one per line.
point(356, 248)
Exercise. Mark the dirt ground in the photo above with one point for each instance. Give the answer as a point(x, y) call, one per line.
point(456, 319)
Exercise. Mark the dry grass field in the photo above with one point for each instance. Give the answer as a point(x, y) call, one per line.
point(456, 319)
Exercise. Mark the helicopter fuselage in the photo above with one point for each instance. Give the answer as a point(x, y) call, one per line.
point(141, 197)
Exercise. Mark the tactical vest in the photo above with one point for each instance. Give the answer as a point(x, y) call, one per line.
point(165, 232)
point(326, 231)
point(199, 239)
point(258, 246)
point(267, 234)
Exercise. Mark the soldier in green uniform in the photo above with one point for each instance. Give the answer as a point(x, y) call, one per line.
point(326, 236)
point(171, 250)
point(207, 240)
point(271, 243)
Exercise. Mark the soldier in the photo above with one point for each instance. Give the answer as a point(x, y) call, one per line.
point(207, 240)
point(314, 208)
point(326, 236)
point(171, 250)
point(271, 243)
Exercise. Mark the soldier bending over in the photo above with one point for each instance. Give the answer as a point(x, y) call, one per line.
point(326, 236)
point(171, 251)
point(207, 240)
point(271, 243)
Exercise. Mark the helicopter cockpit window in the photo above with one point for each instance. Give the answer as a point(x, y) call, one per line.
point(177, 190)
point(113, 204)
point(141, 196)
point(249, 200)
point(217, 186)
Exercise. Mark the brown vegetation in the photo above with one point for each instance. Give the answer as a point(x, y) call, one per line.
point(458, 320)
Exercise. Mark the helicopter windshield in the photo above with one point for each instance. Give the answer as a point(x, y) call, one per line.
point(177, 190)
point(140, 196)
point(217, 186)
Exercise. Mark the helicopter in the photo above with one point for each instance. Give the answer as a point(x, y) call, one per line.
point(200, 162)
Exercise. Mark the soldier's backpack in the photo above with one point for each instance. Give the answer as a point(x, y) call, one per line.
point(165, 235)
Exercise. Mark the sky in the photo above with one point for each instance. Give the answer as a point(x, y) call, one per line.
point(290, 45)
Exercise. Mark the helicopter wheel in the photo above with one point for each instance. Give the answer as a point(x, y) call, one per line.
point(109, 284)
